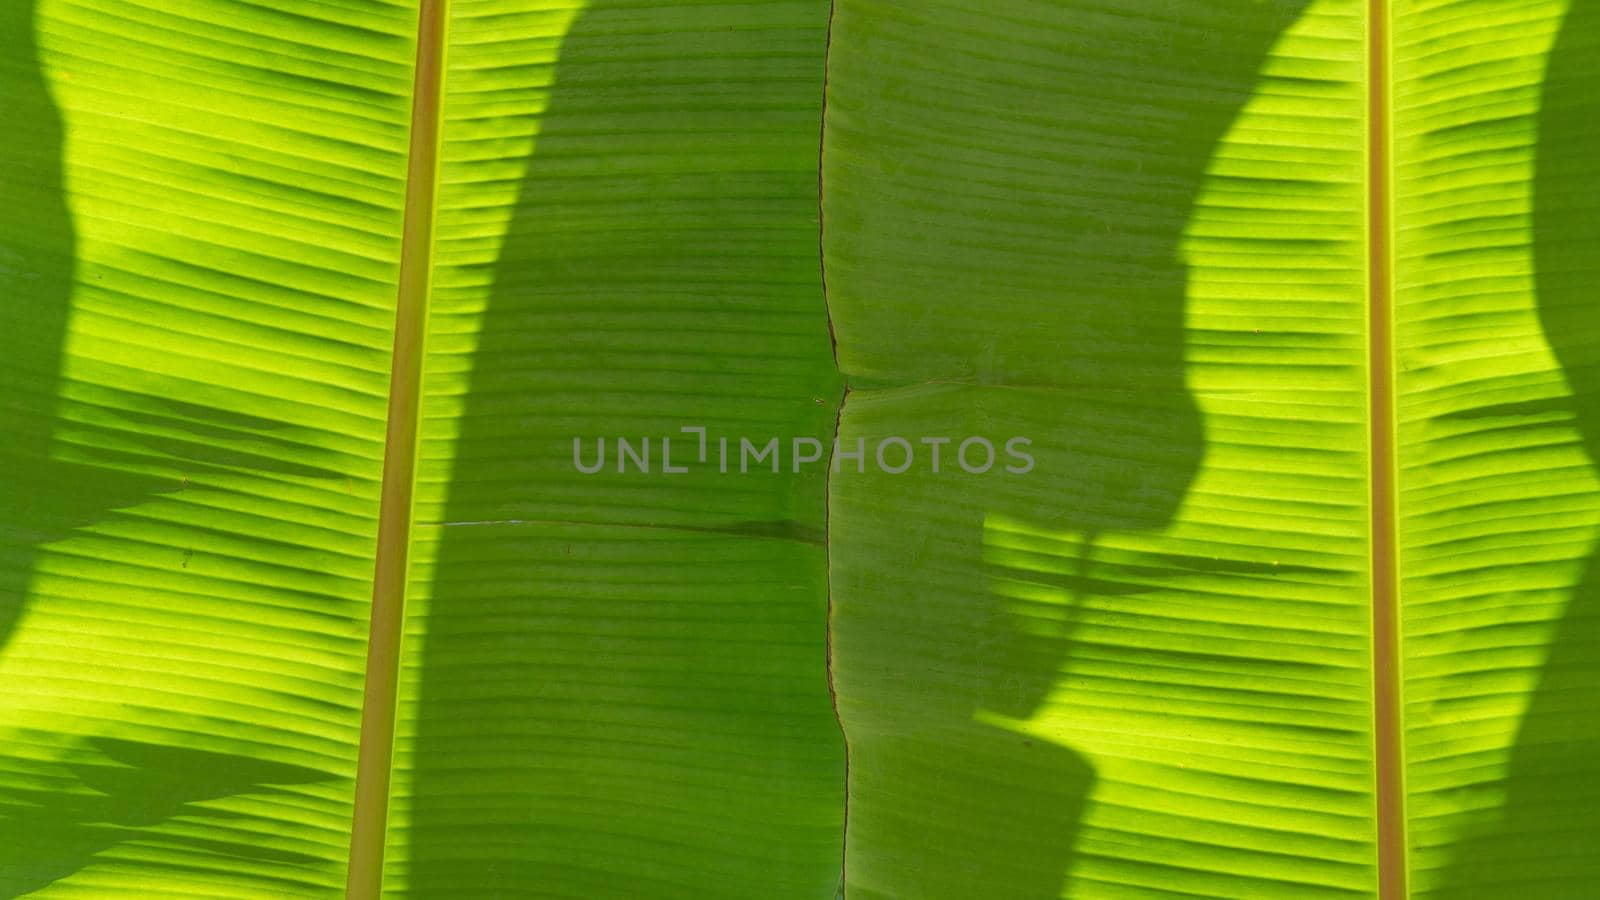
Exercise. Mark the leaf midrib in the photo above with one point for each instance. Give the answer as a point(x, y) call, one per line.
point(374, 766)
point(364, 878)
point(1389, 773)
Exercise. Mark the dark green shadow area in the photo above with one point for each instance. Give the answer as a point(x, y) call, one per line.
point(1546, 845)
point(115, 789)
point(70, 463)
point(1007, 189)
point(122, 449)
point(37, 252)
point(623, 687)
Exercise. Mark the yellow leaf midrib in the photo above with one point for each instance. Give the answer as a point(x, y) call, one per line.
point(364, 878)
point(1386, 681)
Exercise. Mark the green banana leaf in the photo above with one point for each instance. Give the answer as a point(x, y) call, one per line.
point(1180, 251)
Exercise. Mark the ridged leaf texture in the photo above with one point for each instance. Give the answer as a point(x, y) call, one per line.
point(1184, 249)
